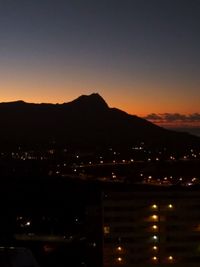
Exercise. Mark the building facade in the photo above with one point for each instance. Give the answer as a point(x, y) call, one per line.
point(151, 226)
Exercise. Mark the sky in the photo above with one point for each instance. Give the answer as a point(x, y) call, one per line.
point(141, 56)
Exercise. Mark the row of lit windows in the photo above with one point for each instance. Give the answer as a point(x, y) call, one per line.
point(131, 208)
point(121, 259)
point(170, 258)
point(155, 217)
point(154, 258)
point(169, 229)
point(120, 249)
point(155, 207)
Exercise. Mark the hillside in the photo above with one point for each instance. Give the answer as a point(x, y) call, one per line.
point(85, 122)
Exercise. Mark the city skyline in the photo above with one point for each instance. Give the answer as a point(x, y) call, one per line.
point(141, 57)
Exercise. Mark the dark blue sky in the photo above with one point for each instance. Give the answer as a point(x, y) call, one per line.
point(142, 56)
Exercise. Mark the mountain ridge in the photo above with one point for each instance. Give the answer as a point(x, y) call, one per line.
point(84, 122)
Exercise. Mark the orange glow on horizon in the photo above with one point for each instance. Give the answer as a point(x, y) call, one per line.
point(137, 110)
point(134, 105)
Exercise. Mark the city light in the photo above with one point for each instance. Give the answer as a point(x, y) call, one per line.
point(154, 217)
point(106, 230)
point(119, 259)
point(155, 227)
point(155, 248)
point(170, 206)
point(119, 248)
point(154, 206)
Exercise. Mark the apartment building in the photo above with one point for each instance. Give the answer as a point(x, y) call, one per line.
point(151, 226)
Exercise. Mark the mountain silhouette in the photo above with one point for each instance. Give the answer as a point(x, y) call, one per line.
point(84, 122)
point(93, 101)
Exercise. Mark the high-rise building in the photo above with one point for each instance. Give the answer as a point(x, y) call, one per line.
point(151, 226)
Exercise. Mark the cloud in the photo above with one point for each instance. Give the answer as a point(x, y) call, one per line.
point(195, 116)
point(173, 118)
point(153, 116)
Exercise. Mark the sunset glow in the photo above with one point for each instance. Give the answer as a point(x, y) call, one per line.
point(137, 60)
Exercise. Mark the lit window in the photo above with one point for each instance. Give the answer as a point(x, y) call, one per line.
point(154, 217)
point(155, 227)
point(170, 258)
point(106, 230)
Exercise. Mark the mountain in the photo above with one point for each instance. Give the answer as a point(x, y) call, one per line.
point(85, 122)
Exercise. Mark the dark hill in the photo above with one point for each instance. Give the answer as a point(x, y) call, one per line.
point(84, 122)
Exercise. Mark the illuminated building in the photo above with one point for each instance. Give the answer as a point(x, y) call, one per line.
point(151, 226)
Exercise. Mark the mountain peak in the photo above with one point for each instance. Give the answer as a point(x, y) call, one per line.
point(93, 100)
